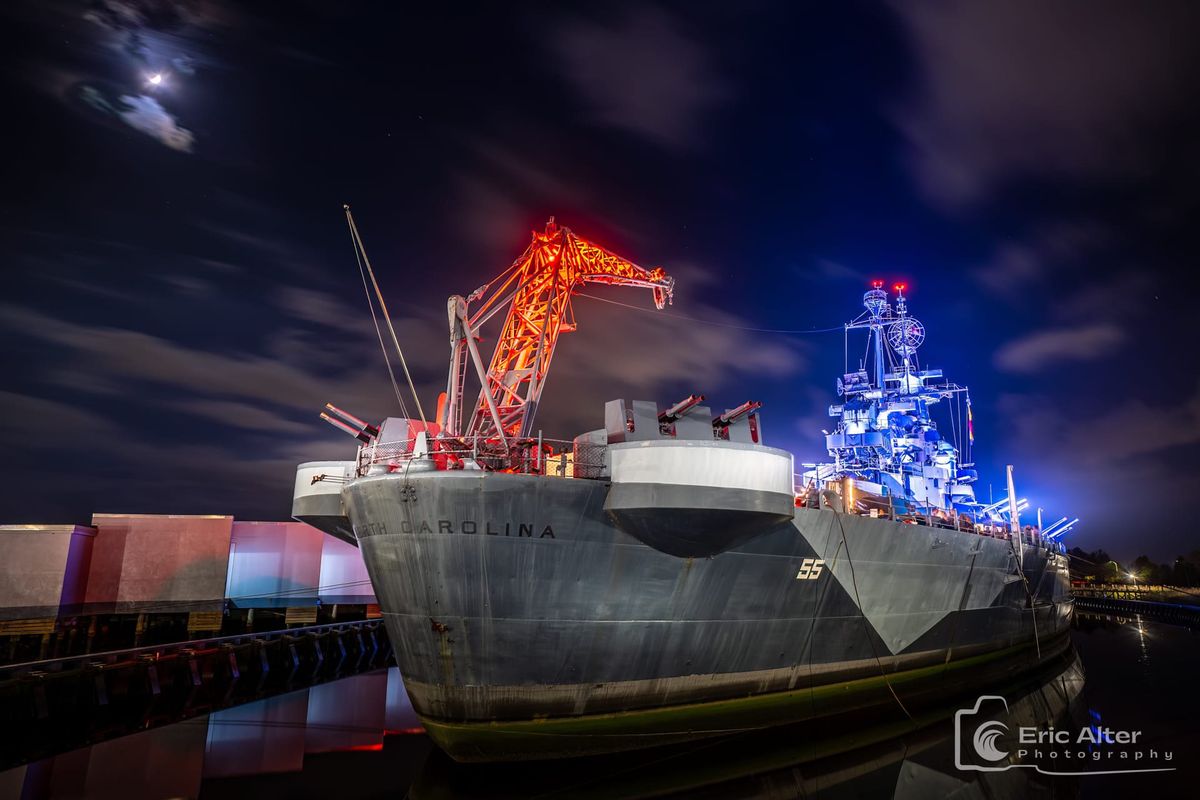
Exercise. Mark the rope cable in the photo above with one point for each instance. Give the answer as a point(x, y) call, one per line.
point(863, 615)
point(845, 349)
point(386, 317)
point(954, 422)
point(958, 421)
point(704, 321)
point(1017, 554)
point(362, 273)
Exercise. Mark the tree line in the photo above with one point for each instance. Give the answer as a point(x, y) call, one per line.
point(1099, 566)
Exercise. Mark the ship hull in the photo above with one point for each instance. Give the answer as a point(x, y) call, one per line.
point(527, 625)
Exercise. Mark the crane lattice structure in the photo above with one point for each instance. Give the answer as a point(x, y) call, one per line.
point(537, 291)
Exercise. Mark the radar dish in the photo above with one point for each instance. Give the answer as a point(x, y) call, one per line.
point(906, 335)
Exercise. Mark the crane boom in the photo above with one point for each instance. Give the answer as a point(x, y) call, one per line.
point(537, 289)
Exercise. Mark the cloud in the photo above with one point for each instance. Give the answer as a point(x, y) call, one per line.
point(503, 191)
point(134, 17)
point(1013, 266)
point(277, 246)
point(253, 407)
point(145, 468)
point(129, 355)
point(1111, 439)
point(145, 114)
point(824, 269)
point(97, 57)
point(812, 404)
point(1039, 350)
point(91, 287)
point(1125, 294)
point(1050, 249)
point(493, 220)
point(1134, 429)
point(243, 415)
point(617, 351)
point(1022, 89)
point(535, 174)
point(217, 265)
point(643, 74)
point(1129, 466)
point(140, 112)
point(651, 355)
point(321, 308)
point(48, 423)
point(190, 286)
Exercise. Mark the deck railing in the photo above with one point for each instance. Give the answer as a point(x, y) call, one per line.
point(531, 456)
point(875, 507)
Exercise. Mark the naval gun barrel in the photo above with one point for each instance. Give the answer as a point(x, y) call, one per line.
point(345, 421)
point(733, 414)
point(348, 419)
point(681, 408)
point(341, 426)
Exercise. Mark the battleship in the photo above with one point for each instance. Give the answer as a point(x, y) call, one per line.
point(668, 576)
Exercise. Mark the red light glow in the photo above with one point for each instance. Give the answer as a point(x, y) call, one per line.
point(542, 281)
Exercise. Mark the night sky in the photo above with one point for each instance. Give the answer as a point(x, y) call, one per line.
point(180, 296)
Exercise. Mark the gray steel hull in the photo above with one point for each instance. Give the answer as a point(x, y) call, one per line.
point(513, 601)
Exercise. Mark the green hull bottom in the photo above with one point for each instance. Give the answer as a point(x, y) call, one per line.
point(570, 736)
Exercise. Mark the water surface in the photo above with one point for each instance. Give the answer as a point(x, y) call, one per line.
point(359, 738)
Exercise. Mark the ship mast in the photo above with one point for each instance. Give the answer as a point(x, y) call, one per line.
point(876, 304)
point(885, 436)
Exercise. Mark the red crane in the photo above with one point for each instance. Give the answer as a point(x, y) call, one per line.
point(537, 291)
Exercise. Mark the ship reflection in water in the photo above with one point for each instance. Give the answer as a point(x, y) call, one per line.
point(358, 737)
point(319, 741)
point(887, 758)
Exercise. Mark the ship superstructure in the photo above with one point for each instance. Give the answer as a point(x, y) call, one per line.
point(890, 455)
point(887, 445)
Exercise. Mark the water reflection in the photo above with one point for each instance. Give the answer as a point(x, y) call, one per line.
point(274, 736)
point(867, 757)
point(359, 737)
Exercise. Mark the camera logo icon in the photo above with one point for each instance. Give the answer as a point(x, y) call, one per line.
point(979, 736)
